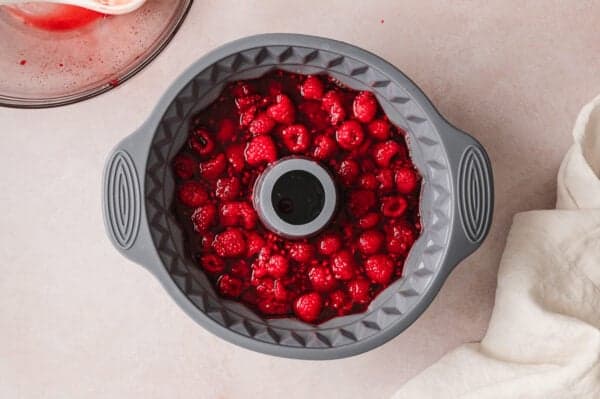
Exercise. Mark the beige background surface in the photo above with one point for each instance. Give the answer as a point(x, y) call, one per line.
point(79, 321)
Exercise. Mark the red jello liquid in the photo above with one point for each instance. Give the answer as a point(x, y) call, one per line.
point(340, 270)
point(54, 17)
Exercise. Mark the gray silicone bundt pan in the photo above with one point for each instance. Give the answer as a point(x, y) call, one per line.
point(456, 203)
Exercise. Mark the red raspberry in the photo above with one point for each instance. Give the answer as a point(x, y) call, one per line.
point(349, 135)
point(262, 124)
point(379, 129)
point(314, 114)
point(274, 308)
point(406, 180)
point(301, 252)
point(370, 241)
point(184, 166)
point(348, 171)
point(280, 293)
point(379, 268)
point(308, 307)
point(260, 149)
point(206, 240)
point(386, 180)
point(359, 290)
point(247, 116)
point(296, 138)
point(277, 266)
point(230, 243)
point(321, 278)
point(368, 221)
point(329, 243)
point(360, 202)
point(368, 181)
point(212, 263)
point(312, 88)
point(204, 217)
point(400, 237)
point(254, 242)
point(240, 269)
point(264, 287)
point(238, 214)
point(332, 104)
point(342, 265)
point(227, 188)
point(383, 153)
point(192, 194)
point(229, 286)
point(202, 143)
point(339, 301)
point(213, 168)
point(226, 130)
point(235, 157)
point(283, 110)
point(364, 106)
point(393, 207)
point(324, 147)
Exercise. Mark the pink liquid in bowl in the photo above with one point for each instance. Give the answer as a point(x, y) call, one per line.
point(54, 17)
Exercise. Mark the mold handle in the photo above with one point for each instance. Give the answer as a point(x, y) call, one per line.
point(473, 193)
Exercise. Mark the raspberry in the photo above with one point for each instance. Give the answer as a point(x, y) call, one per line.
point(329, 244)
point(364, 106)
point(238, 214)
point(348, 171)
point(301, 252)
point(274, 308)
point(212, 263)
point(383, 153)
point(230, 243)
point(308, 307)
point(280, 293)
point(368, 221)
point(235, 157)
point(202, 143)
point(393, 207)
point(277, 266)
point(192, 194)
point(321, 278)
point(312, 88)
point(227, 188)
point(339, 301)
point(342, 265)
point(206, 240)
point(349, 135)
point(229, 286)
point(325, 147)
point(359, 290)
point(240, 269)
point(360, 202)
point(260, 149)
point(283, 110)
point(262, 124)
point(332, 104)
point(226, 130)
point(370, 241)
point(400, 238)
point(314, 114)
point(204, 217)
point(213, 168)
point(247, 116)
point(379, 129)
point(379, 268)
point(254, 243)
point(264, 287)
point(368, 181)
point(386, 180)
point(184, 166)
point(296, 138)
point(406, 180)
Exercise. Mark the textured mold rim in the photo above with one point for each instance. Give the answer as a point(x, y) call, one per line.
point(418, 113)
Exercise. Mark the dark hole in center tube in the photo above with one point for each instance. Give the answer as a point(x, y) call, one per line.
point(298, 197)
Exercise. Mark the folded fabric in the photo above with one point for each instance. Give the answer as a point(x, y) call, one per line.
point(543, 340)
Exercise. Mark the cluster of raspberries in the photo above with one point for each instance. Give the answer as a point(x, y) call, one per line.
point(256, 122)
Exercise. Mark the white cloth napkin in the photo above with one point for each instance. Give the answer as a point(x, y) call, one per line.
point(543, 340)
